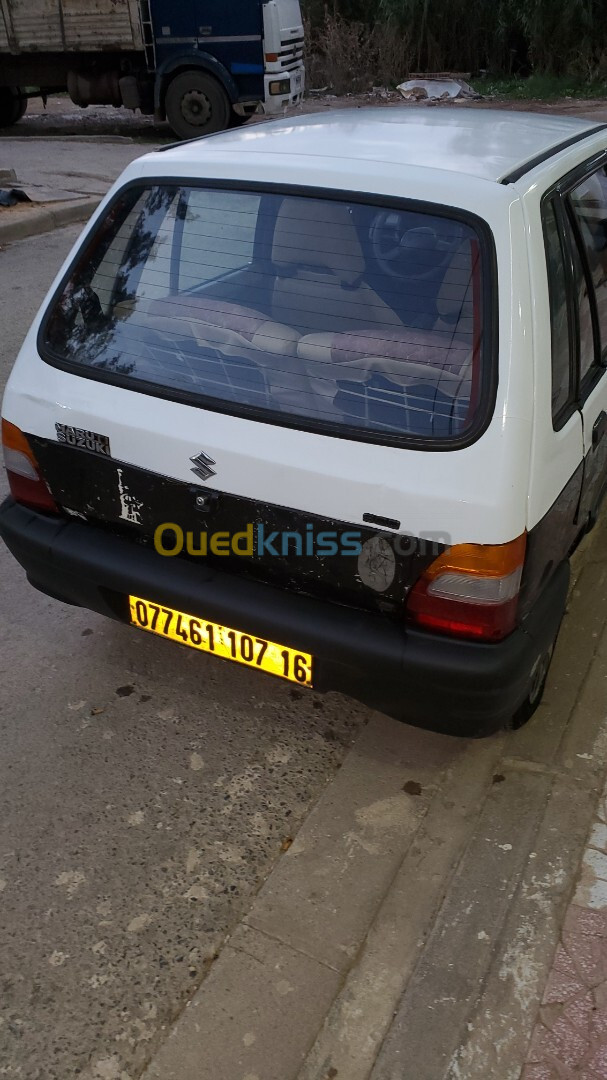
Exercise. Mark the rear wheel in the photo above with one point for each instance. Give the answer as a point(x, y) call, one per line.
point(196, 104)
point(12, 105)
point(539, 676)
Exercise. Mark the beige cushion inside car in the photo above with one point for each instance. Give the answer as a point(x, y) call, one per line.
point(325, 369)
point(453, 329)
point(319, 264)
point(241, 331)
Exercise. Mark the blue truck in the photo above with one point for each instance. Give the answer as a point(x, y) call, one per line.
point(203, 65)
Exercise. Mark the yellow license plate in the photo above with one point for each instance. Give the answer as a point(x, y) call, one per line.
point(222, 641)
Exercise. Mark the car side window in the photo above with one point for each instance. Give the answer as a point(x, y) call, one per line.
point(587, 343)
point(562, 371)
point(589, 203)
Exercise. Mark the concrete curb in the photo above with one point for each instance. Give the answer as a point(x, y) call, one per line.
point(34, 220)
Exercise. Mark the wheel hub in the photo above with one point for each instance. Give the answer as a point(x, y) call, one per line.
point(538, 675)
point(196, 108)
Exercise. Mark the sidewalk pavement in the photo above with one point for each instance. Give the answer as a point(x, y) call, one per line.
point(570, 1037)
point(410, 931)
point(65, 179)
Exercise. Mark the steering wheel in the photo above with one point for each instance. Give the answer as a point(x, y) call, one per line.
point(397, 249)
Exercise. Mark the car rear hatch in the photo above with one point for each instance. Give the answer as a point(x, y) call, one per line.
point(256, 364)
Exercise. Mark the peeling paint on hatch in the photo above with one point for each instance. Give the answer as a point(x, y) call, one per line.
point(130, 506)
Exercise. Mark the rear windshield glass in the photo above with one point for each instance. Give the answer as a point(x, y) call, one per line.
point(342, 314)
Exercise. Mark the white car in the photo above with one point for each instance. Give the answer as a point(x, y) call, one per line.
point(327, 397)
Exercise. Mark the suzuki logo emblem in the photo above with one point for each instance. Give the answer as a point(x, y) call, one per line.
point(202, 466)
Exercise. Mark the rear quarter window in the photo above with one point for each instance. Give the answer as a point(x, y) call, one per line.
point(331, 314)
point(563, 382)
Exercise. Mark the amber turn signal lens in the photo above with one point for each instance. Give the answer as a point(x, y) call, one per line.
point(484, 560)
point(14, 439)
point(471, 591)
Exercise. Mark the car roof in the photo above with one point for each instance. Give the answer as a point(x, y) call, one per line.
point(491, 144)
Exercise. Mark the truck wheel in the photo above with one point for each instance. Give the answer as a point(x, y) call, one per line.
point(12, 105)
point(196, 104)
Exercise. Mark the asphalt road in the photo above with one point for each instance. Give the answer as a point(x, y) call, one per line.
point(145, 792)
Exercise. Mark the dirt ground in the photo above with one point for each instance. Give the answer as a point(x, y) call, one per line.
point(62, 117)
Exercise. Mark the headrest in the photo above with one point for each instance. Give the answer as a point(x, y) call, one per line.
point(455, 293)
point(311, 234)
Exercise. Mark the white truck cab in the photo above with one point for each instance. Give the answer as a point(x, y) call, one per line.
point(284, 78)
point(328, 398)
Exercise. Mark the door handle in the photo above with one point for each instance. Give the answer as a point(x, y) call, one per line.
point(599, 429)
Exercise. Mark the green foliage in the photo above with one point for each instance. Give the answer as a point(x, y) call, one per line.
point(557, 37)
point(541, 87)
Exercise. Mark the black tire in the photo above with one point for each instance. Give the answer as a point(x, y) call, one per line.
point(12, 105)
point(22, 106)
point(196, 104)
point(533, 700)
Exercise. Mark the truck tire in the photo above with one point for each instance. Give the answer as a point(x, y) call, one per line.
point(12, 105)
point(196, 104)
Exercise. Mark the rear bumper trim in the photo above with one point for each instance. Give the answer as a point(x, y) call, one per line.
point(457, 687)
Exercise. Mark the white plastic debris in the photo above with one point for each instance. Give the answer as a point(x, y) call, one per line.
point(436, 90)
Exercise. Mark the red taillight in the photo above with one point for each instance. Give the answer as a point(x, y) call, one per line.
point(470, 591)
point(25, 481)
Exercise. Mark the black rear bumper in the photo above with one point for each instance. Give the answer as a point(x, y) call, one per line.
point(456, 687)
